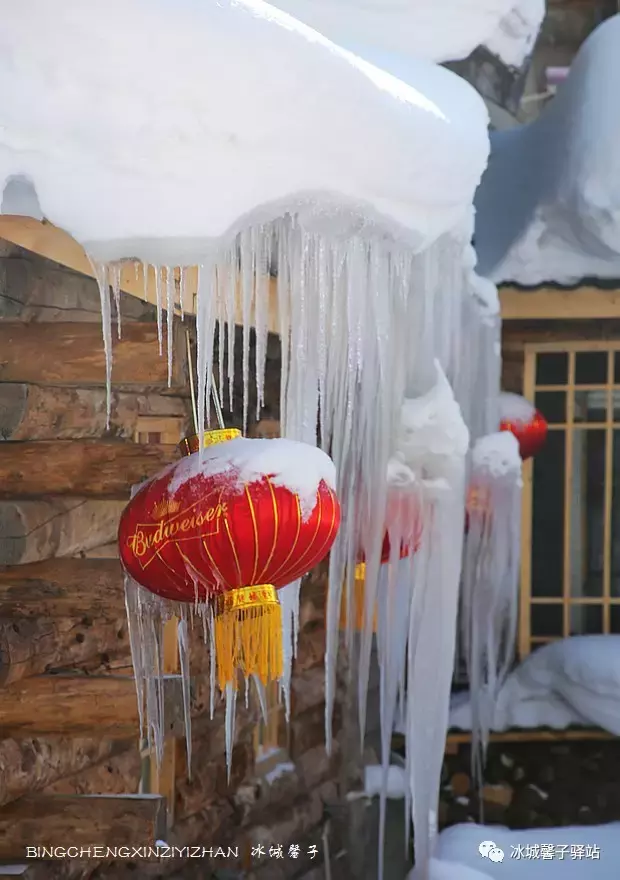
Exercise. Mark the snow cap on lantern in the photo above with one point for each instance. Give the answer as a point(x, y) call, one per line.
point(231, 525)
point(522, 419)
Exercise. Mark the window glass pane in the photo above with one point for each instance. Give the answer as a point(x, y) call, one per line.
point(591, 367)
point(552, 405)
point(548, 518)
point(615, 515)
point(617, 368)
point(590, 406)
point(586, 620)
point(547, 620)
point(615, 405)
point(587, 507)
point(614, 619)
point(552, 368)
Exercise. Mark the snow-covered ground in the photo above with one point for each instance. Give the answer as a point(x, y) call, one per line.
point(575, 681)
point(548, 207)
point(583, 853)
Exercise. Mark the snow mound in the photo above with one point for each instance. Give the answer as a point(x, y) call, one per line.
point(149, 128)
point(581, 852)
point(437, 30)
point(298, 467)
point(574, 681)
point(397, 783)
point(497, 454)
point(548, 207)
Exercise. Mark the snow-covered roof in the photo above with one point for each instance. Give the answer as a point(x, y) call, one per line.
point(437, 30)
point(548, 207)
point(149, 128)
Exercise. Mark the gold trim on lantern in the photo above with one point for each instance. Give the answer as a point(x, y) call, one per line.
point(246, 597)
point(191, 444)
point(247, 628)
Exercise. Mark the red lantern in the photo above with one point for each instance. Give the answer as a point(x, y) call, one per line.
point(523, 420)
point(399, 506)
point(200, 531)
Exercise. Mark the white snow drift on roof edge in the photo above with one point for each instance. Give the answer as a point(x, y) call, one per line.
point(194, 130)
point(548, 207)
point(435, 30)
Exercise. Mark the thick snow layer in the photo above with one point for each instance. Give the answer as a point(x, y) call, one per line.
point(497, 455)
point(150, 128)
point(298, 467)
point(438, 30)
point(590, 852)
point(431, 436)
point(574, 681)
point(548, 207)
point(515, 408)
point(397, 782)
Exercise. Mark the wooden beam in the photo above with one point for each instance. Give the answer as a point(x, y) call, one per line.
point(128, 820)
point(33, 764)
point(98, 469)
point(59, 588)
point(39, 644)
point(588, 303)
point(72, 354)
point(81, 704)
point(49, 241)
point(48, 412)
point(34, 530)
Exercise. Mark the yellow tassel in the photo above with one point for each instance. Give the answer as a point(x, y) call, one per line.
point(248, 634)
point(191, 444)
point(359, 601)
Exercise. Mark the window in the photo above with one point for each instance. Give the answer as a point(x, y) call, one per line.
point(570, 576)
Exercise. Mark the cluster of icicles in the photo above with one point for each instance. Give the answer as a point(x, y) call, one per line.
point(365, 326)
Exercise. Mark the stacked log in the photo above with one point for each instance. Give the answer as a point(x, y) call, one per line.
point(71, 765)
point(69, 722)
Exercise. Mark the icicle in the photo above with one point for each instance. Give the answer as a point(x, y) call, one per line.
point(262, 249)
point(205, 325)
point(158, 298)
point(261, 693)
point(169, 318)
point(212, 663)
point(248, 275)
point(490, 580)
point(182, 290)
point(184, 657)
point(289, 601)
point(115, 272)
point(432, 635)
point(101, 274)
point(231, 703)
point(145, 281)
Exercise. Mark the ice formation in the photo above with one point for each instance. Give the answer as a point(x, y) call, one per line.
point(441, 30)
point(489, 598)
point(361, 185)
point(574, 681)
point(596, 848)
point(548, 207)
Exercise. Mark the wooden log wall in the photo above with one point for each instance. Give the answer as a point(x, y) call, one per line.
point(69, 728)
point(68, 714)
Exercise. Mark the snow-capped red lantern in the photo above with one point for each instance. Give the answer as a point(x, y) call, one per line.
point(522, 419)
point(231, 529)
